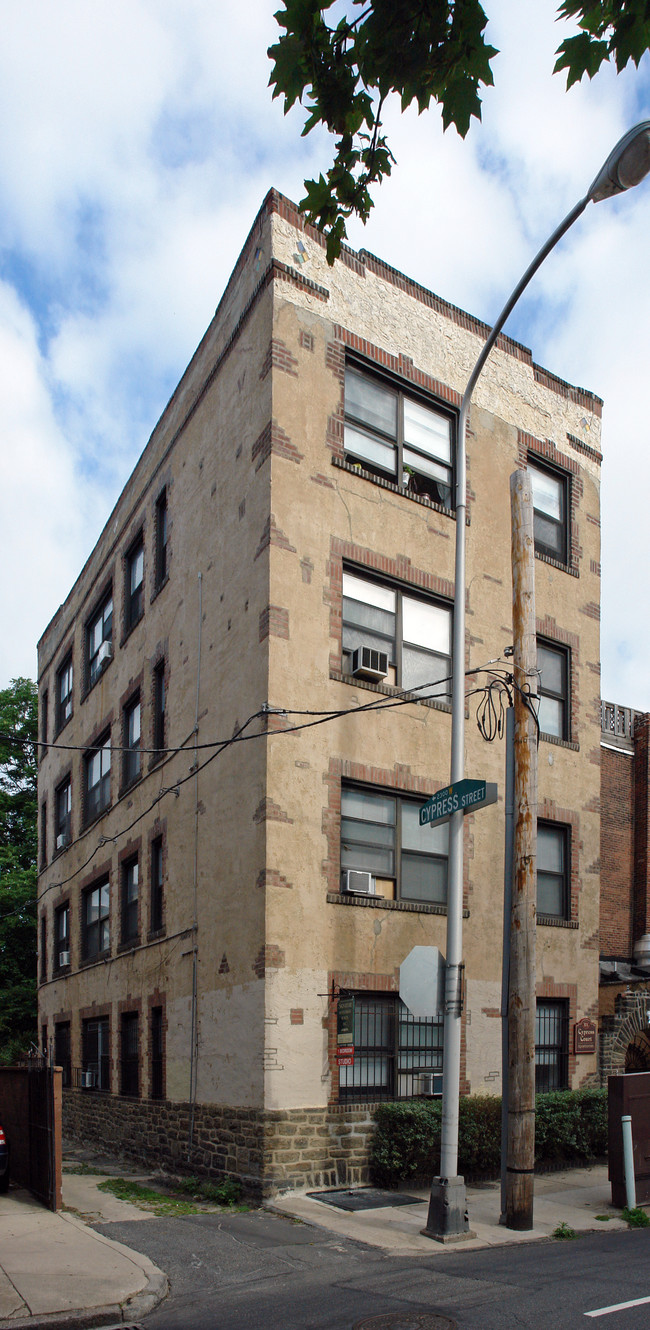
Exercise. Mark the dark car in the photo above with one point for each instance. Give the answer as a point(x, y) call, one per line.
point(4, 1161)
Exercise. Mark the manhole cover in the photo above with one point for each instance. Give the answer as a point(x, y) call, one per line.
point(406, 1321)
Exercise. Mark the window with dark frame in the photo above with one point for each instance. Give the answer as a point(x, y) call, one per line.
point(161, 538)
point(95, 1052)
point(62, 937)
point(399, 436)
point(551, 1045)
point(45, 699)
point(99, 639)
point(130, 895)
point(156, 893)
point(64, 693)
point(131, 754)
point(391, 1050)
point(44, 833)
point(96, 921)
point(43, 949)
point(97, 770)
point(63, 814)
point(62, 1052)
point(129, 1054)
point(550, 508)
point(381, 835)
point(415, 633)
point(134, 585)
point(159, 705)
point(157, 1054)
point(553, 870)
point(554, 696)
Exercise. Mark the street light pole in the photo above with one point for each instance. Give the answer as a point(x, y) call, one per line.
point(625, 167)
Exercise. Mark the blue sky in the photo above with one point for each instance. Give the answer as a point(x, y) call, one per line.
point(139, 139)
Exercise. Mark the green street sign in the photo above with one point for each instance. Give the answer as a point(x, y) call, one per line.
point(463, 797)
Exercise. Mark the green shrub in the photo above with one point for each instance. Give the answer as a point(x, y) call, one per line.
point(570, 1127)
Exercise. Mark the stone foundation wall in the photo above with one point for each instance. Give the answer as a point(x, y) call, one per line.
point(269, 1152)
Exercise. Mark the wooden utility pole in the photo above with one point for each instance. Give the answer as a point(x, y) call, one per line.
point(521, 1006)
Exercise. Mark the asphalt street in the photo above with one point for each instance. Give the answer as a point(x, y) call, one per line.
point(257, 1270)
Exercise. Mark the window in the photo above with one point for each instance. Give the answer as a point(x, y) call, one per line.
point(44, 833)
point(95, 1052)
point(553, 666)
point(44, 722)
point(550, 512)
point(381, 834)
point(398, 436)
point(134, 589)
point(62, 1051)
point(131, 755)
point(159, 703)
point(43, 949)
point(63, 814)
point(64, 693)
point(156, 915)
point(551, 1046)
point(98, 778)
point(415, 634)
point(96, 924)
point(553, 894)
point(161, 538)
point(130, 890)
point(62, 937)
point(99, 639)
point(157, 1054)
point(129, 1078)
point(391, 1048)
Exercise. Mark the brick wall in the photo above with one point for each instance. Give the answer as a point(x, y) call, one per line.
point(616, 853)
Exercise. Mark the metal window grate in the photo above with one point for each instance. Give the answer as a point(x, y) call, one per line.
point(391, 1049)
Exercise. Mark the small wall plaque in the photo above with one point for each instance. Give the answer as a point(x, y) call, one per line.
point(584, 1036)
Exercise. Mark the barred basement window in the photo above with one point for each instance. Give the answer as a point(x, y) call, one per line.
point(551, 1046)
point(391, 1050)
point(129, 1054)
point(95, 1053)
point(157, 1054)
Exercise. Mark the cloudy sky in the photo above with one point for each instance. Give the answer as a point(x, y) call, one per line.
point(138, 140)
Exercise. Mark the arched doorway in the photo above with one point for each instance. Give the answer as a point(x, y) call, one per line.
point(637, 1054)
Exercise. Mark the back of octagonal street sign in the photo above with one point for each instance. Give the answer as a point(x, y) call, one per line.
point(422, 982)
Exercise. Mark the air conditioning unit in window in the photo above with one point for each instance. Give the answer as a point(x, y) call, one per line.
point(64, 959)
point(62, 840)
point(431, 1084)
point(104, 654)
point(367, 663)
point(88, 1080)
point(357, 883)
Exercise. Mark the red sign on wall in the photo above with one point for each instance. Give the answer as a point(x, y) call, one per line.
point(584, 1036)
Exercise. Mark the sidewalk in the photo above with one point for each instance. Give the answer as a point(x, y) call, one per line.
point(57, 1273)
point(574, 1197)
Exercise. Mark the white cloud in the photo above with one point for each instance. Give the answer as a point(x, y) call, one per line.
point(139, 140)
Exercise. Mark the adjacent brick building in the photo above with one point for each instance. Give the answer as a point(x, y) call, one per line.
point(247, 694)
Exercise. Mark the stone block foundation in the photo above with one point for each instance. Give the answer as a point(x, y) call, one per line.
point(270, 1152)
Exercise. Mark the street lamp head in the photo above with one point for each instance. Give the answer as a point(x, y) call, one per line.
point(626, 165)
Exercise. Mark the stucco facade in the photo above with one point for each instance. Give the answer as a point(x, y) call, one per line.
point(209, 985)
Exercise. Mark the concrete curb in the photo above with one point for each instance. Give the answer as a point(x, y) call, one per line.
point(125, 1313)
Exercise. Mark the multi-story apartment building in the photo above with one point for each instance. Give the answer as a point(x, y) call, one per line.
point(247, 697)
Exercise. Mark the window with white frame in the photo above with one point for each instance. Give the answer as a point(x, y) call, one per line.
point(98, 777)
point(381, 835)
point(99, 638)
point(62, 937)
point(550, 506)
point(131, 754)
point(554, 708)
point(134, 585)
point(63, 814)
point(399, 435)
point(414, 632)
point(96, 921)
point(64, 693)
